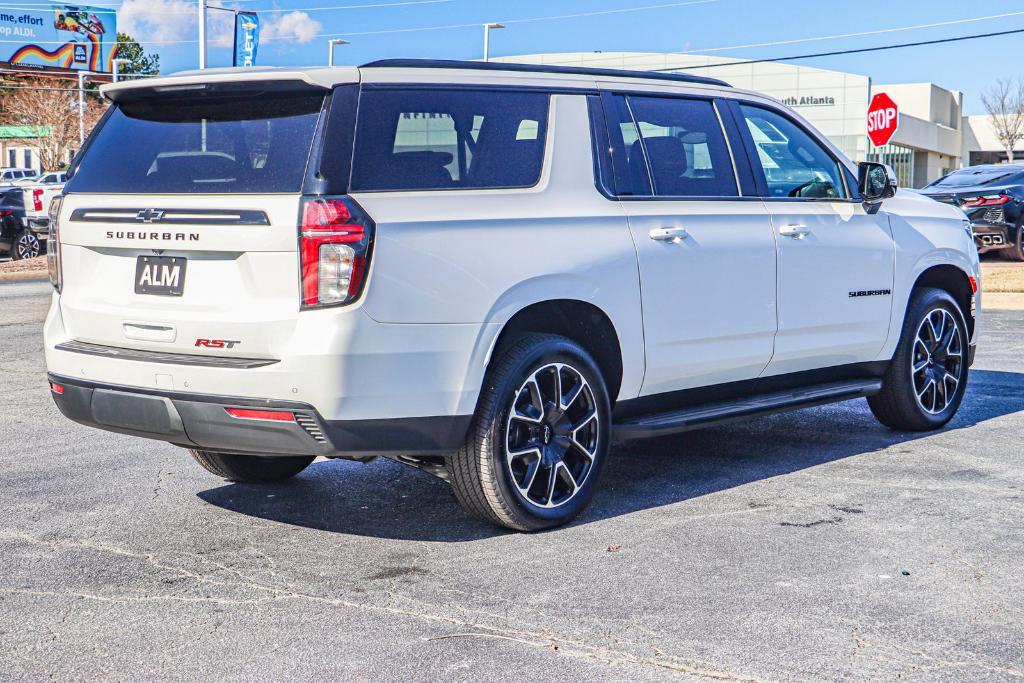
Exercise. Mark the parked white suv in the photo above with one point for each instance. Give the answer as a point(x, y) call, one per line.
point(487, 271)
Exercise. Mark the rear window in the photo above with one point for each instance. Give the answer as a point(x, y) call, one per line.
point(203, 145)
point(448, 140)
point(979, 176)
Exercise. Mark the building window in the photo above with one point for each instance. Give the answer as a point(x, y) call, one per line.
point(27, 155)
point(12, 158)
point(900, 158)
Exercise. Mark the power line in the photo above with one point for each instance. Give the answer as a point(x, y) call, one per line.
point(859, 34)
point(854, 51)
point(188, 12)
point(475, 24)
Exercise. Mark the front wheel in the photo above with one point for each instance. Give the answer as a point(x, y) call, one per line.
point(539, 439)
point(26, 245)
point(926, 381)
point(251, 469)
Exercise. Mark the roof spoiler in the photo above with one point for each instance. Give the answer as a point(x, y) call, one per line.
point(199, 81)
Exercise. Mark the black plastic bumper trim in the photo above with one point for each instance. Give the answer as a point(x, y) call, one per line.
point(200, 421)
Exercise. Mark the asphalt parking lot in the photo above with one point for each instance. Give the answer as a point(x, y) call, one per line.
point(814, 545)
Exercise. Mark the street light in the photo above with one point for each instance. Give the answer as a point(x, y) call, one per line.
point(116, 63)
point(81, 105)
point(202, 34)
point(330, 49)
point(487, 38)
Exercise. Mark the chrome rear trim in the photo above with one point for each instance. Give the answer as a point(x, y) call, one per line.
point(163, 357)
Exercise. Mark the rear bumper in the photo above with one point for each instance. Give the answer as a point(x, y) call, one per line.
point(202, 421)
point(988, 236)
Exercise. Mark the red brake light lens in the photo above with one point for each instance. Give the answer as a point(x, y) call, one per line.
point(986, 200)
point(271, 415)
point(334, 247)
point(37, 200)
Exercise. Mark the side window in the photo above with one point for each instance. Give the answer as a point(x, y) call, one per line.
point(448, 140)
point(629, 167)
point(795, 164)
point(685, 147)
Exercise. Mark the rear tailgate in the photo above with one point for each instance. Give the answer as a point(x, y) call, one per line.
point(179, 228)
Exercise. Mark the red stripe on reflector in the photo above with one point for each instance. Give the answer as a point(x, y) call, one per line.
point(247, 414)
point(57, 388)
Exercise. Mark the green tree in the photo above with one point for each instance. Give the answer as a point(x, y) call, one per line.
point(139, 61)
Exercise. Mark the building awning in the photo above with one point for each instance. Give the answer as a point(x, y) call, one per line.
point(23, 132)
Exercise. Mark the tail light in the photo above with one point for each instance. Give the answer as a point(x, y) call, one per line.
point(37, 200)
point(986, 200)
point(53, 260)
point(335, 240)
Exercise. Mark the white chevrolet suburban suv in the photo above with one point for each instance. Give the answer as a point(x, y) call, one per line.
point(486, 271)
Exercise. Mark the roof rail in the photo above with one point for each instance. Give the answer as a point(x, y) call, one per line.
point(537, 68)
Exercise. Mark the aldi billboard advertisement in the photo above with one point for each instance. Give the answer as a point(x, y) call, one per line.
point(59, 36)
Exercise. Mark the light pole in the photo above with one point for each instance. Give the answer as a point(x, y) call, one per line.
point(81, 105)
point(487, 38)
point(202, 34)
point(330, 49)
point(116, 63)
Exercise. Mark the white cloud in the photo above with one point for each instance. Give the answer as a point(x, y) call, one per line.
point(168, 21)
point(297, 27)
point(157, 20)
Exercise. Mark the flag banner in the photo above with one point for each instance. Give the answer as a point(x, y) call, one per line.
point(247, 38)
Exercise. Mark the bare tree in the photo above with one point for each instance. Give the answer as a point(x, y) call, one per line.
point(48, 108)
point(1005, 105)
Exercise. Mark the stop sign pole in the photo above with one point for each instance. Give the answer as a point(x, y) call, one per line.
point(883, 119)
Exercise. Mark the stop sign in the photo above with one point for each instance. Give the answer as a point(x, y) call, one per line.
point(883, 119)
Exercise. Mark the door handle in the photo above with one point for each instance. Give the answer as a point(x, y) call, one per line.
point(797, 232)
point(673, 235)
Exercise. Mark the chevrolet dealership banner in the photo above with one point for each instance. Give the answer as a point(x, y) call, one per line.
point(63, 36)
point(247, 38)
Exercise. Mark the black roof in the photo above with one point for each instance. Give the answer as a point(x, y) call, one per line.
point(538, 68)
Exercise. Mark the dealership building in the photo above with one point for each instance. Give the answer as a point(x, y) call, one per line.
point(930, 142)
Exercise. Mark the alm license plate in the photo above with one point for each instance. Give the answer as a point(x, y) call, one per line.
point(162, 275)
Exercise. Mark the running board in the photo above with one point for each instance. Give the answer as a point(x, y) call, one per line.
point(751, 406)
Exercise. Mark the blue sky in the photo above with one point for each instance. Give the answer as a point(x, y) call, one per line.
point(295, 33)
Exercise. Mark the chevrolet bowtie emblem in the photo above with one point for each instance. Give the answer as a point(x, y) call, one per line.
point(149, 215)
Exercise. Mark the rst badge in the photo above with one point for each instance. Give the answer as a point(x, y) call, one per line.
point(160, 275)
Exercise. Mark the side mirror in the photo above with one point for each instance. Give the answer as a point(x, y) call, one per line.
point(876, 181)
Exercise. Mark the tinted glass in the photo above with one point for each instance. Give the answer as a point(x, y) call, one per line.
point(630, 168)
point(981, 175)
point(685, 147)
point(795, 164)
point(446, 140)
point(202, 145)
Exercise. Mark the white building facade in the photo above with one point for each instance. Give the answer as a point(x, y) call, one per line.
point(927, 145)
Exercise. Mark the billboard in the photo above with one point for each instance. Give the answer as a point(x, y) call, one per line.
point(59, 36)
point(247, 38)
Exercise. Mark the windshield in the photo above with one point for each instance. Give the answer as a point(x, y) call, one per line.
point(986, 175)
point(203, 145)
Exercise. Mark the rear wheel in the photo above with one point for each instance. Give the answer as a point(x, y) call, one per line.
point(539, 439)
point(26, 245)
point(251, 469)
point(927, 378)
point(1015, 252)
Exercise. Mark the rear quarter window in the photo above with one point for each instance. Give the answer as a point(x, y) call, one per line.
point(448, 140)
point(209, 145)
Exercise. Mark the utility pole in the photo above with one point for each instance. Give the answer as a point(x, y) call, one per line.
point(330, 49)
point(81, 105)
point(487, 38)
point(202, 34)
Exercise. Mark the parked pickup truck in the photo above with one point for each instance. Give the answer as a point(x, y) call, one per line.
point(24, 219)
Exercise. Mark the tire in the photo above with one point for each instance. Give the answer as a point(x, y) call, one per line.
point(934, 341)
point(1015, 252)
point(251, 469)
point(527, 469)
point(26, 245)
